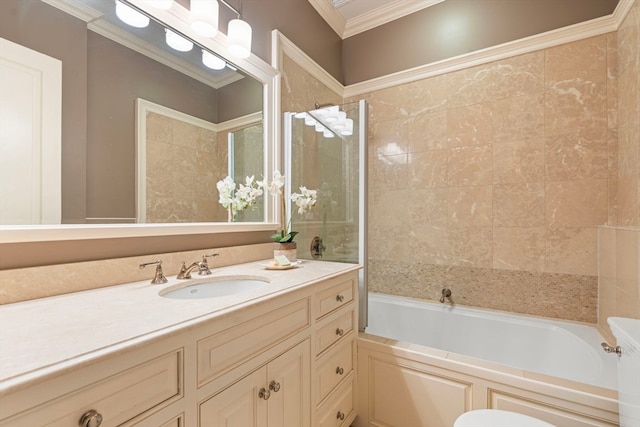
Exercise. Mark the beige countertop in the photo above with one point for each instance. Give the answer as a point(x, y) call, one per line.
point(43, 336)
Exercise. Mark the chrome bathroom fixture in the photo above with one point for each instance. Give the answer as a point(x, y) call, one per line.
point(159, 276)
point(611, 349)
point(446, 294)
point(317, 248)
point(202, 266)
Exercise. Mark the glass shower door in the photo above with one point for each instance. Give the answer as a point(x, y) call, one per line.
point(321, 154)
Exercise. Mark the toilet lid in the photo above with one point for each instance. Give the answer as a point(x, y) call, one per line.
point(497, 418)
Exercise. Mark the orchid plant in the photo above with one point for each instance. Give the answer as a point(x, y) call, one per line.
point(304, 200)
point(238, 199)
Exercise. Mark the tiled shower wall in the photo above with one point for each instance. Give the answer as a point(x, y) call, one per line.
point(492, 180)
point(619, 245)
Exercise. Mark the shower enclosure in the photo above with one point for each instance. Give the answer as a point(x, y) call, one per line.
point(325, 150)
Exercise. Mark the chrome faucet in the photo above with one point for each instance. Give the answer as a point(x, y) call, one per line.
point(446, 294)
point(202, 266)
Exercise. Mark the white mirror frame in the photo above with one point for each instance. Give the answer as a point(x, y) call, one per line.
point(178, 17)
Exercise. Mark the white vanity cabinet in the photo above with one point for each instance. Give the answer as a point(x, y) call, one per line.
point(283, 360)
point(275, 395)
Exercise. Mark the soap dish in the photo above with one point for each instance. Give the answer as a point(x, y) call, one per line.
point(273, 266)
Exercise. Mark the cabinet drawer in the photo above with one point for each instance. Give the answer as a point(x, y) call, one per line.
point(338, 411)
point(232, 346)
point(333, 368)
point(334, 297)
point(334, 331)
point(118, 398)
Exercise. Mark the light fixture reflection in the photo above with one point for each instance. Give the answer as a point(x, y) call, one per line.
point(204, 17)
point(212, 61)
point(239, 38)
point(130, 16)
point(177, 42)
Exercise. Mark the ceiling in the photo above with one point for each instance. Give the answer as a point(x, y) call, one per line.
point(350, 17)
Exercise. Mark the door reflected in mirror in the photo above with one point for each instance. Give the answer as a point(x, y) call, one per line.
point(106, 67)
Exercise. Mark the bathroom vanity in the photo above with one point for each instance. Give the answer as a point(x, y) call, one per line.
point(280, 355)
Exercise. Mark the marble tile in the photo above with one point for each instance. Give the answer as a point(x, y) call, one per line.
point(628, 262)
point(518, 161)
point(388, 172)
point(577, 155)
point(471, 246)
point(424, 96)
point(427, 131)
point(469, 86)
point(159, 128)
point(428, 169)
point(519, 248)
point(628, 200)
point(628, 36)
point(583, 60)
point(518, 118)
point(572, 106)
point(390, 208)
point(518, 75)
point(581, 203)
point(612, 80)
point(469, 166)
point(571, 250)
point(388, 138)
point(519, 205)
point(470, 206)
point(469, 126)
point(428, 243)
point(426, 206)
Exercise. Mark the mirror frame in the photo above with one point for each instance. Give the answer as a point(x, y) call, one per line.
point(178, 18)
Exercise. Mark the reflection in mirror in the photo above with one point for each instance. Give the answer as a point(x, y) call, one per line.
point(106, 66)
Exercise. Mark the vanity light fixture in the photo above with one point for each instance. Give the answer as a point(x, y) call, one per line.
point(130, 16)
point(160, 4)
point(212, 61)
point(329, 120)
point(239, 34)
point(204, 17)
point(177, 42)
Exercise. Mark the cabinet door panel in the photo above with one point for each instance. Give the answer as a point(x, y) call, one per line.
point(290, 373)
point(238, 405)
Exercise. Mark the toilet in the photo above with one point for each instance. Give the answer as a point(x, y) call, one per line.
point(627, 333)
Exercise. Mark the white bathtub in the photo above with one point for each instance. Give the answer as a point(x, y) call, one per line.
point(552, 347)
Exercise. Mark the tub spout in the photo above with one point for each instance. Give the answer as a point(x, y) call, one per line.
point(446, 294)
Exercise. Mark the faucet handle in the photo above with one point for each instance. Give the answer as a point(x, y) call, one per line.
point(204, 266)
point(159, 276)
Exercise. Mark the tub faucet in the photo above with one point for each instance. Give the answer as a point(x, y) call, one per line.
point(202, 266)
point(446, 293)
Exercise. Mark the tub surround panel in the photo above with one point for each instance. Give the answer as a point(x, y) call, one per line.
point(29, 283)
point(562, 296)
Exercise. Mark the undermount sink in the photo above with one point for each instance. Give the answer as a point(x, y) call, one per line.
point(214, 287)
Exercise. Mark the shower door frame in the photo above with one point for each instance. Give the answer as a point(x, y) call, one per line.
point(362, 200)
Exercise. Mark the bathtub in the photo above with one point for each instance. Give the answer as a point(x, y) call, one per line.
point(454, 359)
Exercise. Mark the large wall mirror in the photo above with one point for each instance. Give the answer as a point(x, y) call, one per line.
point(145, 130)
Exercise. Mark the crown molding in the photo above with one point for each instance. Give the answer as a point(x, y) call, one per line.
point(391, 11)
point(282, 45)
point(583, 30)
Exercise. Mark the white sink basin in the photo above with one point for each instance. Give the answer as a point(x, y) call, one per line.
point(214, 287)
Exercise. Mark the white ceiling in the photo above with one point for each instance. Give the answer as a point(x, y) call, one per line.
point(350, 17)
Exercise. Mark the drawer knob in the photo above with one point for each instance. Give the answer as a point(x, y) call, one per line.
point(274, 386)
point(340, 415)
point(339, 298)
point(264, 394)
point(340, 332)
point(91, 418)
point(339, 370)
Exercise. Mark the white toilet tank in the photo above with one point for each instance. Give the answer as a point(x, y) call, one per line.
point(627, 333)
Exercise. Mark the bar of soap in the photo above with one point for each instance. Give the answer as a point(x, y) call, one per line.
point(282, 260)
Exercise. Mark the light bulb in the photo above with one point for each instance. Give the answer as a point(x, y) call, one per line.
point(212, 61)
point(177, 42)
point(348, 128)
point(332, 115)
point(239, 38)
point(130, 16)
point(204, 17)
point(328, 134)
point(301, 115)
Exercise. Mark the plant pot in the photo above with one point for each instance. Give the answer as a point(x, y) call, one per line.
point(290, 250)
